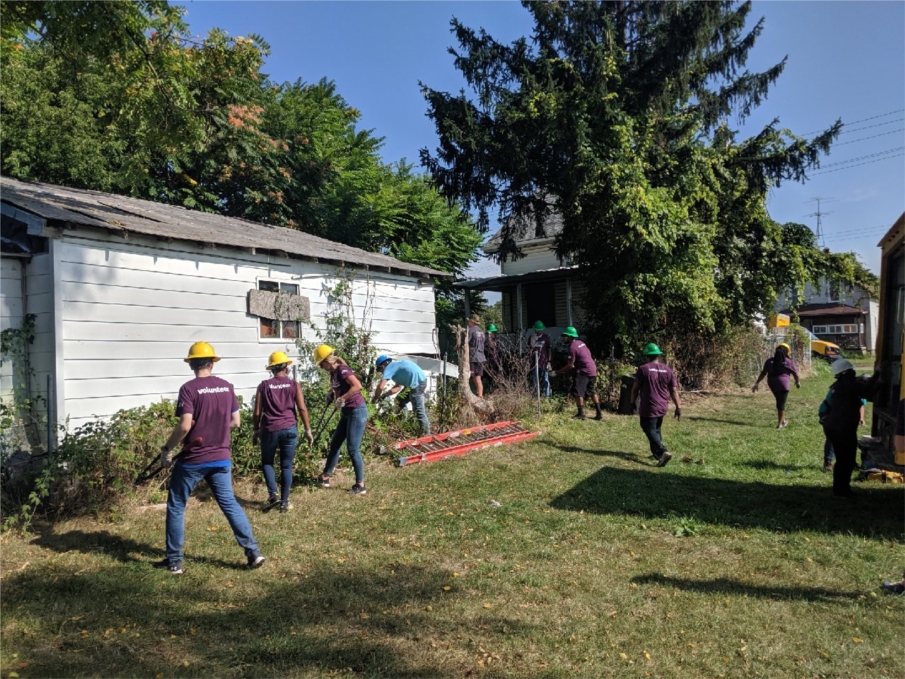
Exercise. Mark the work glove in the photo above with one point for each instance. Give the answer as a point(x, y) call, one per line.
point(678, 413)
point(166, 457)
point(309, 436)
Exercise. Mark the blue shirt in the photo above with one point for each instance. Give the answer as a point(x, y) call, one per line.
point(405, 373)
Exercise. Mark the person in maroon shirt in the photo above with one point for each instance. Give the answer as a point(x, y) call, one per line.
point(777, 371)
point(208, 411)
point(278, 402)
point(581, 361)
point(345, 393)
point(656, 383)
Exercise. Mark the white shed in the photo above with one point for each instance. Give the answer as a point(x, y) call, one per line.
point(121, 287)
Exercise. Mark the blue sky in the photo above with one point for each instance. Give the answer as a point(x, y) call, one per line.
point(845, 60)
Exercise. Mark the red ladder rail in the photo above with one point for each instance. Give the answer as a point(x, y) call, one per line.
point(460, 442)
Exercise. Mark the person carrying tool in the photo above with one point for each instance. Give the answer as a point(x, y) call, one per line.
point(777, 371)
point(345, 394)
point(840, 422)
point(581, 361)
point(409, 376)
point(476, 357)
point(207, 410)
point(278, 403)
point(539, 353)
point(656, 383)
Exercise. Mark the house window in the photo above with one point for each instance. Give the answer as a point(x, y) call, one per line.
point(276, 329)
point(843, 329)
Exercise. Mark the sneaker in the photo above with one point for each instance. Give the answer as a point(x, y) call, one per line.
point(598, 416)
point(783, 424)
point(323, 481)
point(174, 568)
point(273, 499)
point(894, 587)
point(256, 560)
point(579, 416)
point(828, 466)
point(284, 509)
point(358, 489)
point(664, 458)
point(655, 458)
point(272, 503)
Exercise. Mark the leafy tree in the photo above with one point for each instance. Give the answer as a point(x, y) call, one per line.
point(615, 115)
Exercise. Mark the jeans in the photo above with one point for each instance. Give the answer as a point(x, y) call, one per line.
point(220, 481)
point(829, 455)
point(351, 429)
point(845, 445)
point(544, 380)
point(651, 428)
point(416, 397)
point(285, 440)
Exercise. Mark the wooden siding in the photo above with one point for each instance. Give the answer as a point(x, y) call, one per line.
point(11, 312)
point(537, 258)
point(131, 310)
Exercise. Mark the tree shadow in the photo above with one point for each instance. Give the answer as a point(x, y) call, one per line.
point(695, 418)
point(330, 619)
point(764, 465)
point(631, 457)
point(877, 513)
point(728, 586)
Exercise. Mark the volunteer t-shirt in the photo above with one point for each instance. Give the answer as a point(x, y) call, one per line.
point(580, 355)
point(541, 345)
point(340, 386)
point(655, 381)
point(476, 345)
point(780, 381)
point(277, 398)
point(406, 373)
point(211, 402)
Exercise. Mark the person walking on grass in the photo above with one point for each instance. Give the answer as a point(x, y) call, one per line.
point(656, 384)
point(840, 424)
point(345, 393)
point(777, 371)
point(476, 357)
point(278, 403)
point(409, 376)
point(580, 361)
point(208, 411)
point(538, 369)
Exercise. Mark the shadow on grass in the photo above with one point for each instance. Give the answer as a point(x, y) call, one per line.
point(878, 513)
point(631, 457)
point(727, 586)
point(695, 418)
point(764, 465)
point(331, 619)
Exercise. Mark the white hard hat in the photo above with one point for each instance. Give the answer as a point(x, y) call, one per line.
point(841, 365)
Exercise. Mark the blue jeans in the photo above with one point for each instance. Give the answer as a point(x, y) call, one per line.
point(285, 440)
point(829, 455)
point(351, 429)
point(416, 397)
point(544, 380)
point(220, 481)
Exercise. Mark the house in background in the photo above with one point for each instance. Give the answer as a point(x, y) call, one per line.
point(120, 287)
point(847, 317)
point(538, 286)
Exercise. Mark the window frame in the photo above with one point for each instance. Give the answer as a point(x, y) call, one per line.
point(278, 337)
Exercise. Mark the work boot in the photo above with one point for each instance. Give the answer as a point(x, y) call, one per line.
point(579, 415)
point(599, 415)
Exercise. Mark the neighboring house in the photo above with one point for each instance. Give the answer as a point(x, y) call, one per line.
point(847, 317)
point(121, 287)
point(537, 286)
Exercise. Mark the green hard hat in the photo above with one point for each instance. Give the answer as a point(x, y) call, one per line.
point(570, 332)
point(492, 328)
point(652, 350)
point(539, 325)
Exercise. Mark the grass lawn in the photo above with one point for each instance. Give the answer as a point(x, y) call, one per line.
point(570, 555)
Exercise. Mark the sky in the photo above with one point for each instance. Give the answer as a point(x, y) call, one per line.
point(846, 60)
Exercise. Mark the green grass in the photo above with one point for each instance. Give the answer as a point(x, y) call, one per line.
point(738, 563)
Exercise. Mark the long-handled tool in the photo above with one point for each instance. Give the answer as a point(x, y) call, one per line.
point(150, 471)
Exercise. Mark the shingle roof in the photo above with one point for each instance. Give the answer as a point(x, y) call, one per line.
point(67, 208)
point(525, 228)
point(827, 309)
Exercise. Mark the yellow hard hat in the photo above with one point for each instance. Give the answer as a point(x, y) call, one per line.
point(322, 352)
point(202, 350)
point(787, 347)
point(278, 358)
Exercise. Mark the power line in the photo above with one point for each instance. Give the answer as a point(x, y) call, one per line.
point(882, 134)
point(870, 155)
point(863, 120)
point(867, 127)
point(851, 232)
point(867, 162)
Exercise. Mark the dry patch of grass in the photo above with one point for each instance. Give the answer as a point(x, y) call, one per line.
point(567, 556)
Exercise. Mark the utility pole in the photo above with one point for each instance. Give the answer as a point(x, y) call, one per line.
point(819, 231)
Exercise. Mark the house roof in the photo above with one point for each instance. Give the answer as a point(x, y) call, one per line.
point(498, 283)
point(67, 208)
point(826, 309)
point(525, 231)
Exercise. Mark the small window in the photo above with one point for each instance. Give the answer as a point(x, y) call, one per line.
point(274, 329)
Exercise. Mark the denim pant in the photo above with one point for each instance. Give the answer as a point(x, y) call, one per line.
point(351, 429)
point(544, 380)
point(651, 428)
point(220, 481)
point(829, 455)
point(285, 440)
point(416, 397)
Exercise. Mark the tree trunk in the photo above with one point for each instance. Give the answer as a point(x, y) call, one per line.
point(481, 405)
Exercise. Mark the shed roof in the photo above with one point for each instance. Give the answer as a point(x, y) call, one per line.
point(71, 208)
point(827, 309)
